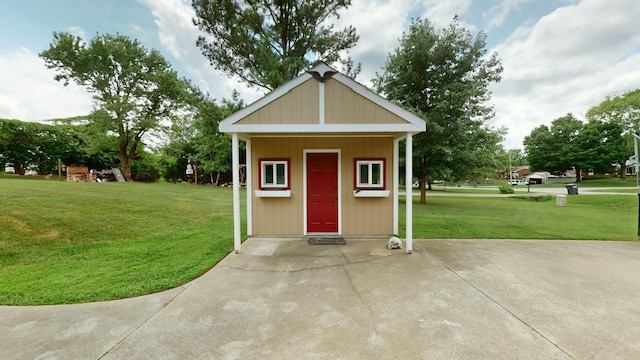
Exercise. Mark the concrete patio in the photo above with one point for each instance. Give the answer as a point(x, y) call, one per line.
point(284, 299)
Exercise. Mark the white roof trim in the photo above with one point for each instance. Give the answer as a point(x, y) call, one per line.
point(415, 123)
point(322, 128)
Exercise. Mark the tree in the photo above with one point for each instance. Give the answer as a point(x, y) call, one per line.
point(599, 146)
point(623, 110)
point(18, 144)
point(266, 43)
point(213, 148)
point(443, 76)
point(553, 149)
point(135, 90)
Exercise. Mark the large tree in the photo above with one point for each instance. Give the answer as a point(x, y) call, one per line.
point(266, 43)
point(599, 146)
point(443, 76)
point(135, 90)
point(554, 148)
point(623, 110)
point(569, 143)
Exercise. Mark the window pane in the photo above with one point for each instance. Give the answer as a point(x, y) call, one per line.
point(376, 174)
point(280, 174)
point(364, 174)
point(268, 174)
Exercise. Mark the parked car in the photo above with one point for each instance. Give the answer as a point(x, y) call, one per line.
point(515, 182)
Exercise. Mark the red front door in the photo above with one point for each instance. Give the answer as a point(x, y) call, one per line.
point(322, 192)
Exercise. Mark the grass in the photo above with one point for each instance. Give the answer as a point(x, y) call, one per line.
point(80, 242)
point(601, 217)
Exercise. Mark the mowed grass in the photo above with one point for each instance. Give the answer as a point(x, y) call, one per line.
point(80, 242)
point(595, 217)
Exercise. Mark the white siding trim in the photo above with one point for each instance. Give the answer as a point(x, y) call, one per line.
point(321, 102)
point(321, 128)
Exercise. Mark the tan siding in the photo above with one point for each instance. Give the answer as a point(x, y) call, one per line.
point(360, 216)
point(344, 106)
point(298, 106)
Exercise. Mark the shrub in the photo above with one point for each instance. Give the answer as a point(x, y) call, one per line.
point(505, 188)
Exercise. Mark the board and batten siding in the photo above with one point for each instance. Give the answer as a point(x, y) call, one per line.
point(285, 216)
point(301, 106)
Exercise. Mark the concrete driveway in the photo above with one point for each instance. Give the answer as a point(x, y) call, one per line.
point(284, 299)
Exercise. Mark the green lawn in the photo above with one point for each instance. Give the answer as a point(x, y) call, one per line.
point(79, 242)
point(601, 217)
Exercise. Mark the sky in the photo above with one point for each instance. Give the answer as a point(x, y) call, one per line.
point(559, 56)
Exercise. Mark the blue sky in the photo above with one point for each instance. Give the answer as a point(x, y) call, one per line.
point(559, 56)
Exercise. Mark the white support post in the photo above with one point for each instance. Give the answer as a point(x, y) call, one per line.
point(249, 189)
point(396, 184)
point(235, 155)
point(409, 193)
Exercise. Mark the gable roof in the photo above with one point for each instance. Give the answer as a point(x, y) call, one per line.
point(310, 94)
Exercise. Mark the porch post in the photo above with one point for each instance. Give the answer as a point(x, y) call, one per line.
point(249, 191)
point(396, 184)
point(235, 155)
point(409, 192)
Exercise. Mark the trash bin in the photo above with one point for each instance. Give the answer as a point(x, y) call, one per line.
point(572, 189)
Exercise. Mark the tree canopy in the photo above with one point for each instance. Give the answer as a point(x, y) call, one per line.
point(135, 90)
point(623, 110)
point(443, 76)
point(37, 147)
point(571, 144)
point(266, 43)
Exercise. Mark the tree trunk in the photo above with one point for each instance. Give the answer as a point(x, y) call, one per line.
point(422, 180)
point(423, 189)
point(125, 165)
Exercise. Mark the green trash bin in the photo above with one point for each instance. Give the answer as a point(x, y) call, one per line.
point(572, 189)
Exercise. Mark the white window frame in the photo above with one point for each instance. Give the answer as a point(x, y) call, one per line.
point(275, 162)
point(369, 184)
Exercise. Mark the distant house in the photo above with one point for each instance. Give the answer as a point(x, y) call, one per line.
point(630, 166)
point(322, 160)
point(518, 172)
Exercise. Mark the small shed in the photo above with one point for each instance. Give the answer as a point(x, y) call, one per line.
point(322, 158)
point(80, 174)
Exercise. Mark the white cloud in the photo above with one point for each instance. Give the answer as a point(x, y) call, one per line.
point(499, 13)
point(568, 61)
point(29, 93)
point(380, 25)
point(78, 31)
point(178, 35)
point(440, 12)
